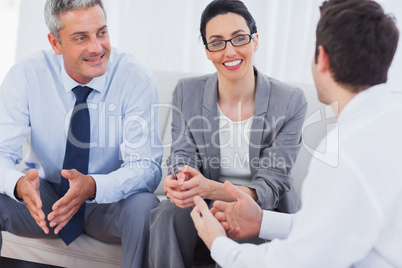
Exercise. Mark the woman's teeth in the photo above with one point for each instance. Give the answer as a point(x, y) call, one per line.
point(232, 63)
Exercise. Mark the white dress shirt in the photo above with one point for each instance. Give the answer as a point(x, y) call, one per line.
point(351, 213)
point(125, 152)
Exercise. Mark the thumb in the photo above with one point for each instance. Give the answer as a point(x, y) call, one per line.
point(201, 206)
point(66, 173)
point(234, 191)
point(32, 174)
point(189, 171)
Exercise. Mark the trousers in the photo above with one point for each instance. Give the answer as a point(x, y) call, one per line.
point(174, 242)
point(125, 222)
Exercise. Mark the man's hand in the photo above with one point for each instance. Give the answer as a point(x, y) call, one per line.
point(240, 219)
point(27, 189)
point(207, 226)
point(82, 188)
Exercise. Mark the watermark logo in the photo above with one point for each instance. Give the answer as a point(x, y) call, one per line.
point(322, 125)
point(114, 130)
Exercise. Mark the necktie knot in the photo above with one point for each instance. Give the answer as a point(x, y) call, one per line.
point(81, 93)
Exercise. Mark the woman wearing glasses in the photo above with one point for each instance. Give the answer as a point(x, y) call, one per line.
point(236, 124)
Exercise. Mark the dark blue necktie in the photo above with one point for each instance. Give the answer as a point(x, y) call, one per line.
point(76, 157)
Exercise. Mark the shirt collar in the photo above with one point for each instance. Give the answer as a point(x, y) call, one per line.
point(363, 98)
point(97, 83)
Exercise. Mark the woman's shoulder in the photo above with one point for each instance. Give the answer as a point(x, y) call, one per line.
point(196, 85)
point(199, 80)
point(281, 89)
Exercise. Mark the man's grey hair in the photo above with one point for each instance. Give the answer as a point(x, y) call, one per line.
point(53, 8)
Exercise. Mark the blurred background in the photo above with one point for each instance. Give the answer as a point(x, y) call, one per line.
point(164, 34)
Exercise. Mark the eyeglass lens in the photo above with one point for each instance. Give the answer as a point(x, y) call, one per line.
point(237, 41)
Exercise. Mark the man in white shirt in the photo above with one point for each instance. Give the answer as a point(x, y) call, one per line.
point(351, 213)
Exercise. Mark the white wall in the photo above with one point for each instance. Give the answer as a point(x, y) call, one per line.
point(9, 14)
point(164, 34)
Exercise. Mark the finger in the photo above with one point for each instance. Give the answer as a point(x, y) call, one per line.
point(38, 201)
point(63, 214)
point(202, 206)
point(66, 204)
point(170, 182)
point(34, 199)
point(43, 226)
point(225, 226)
point(57, 204)
point(35, 213)
point(181, 177)
point(62, 206)
point(220, 216)
point(38, 215)
point(220, 205)
point(183, 194)
point(213, 210)
point(60, 226)
point(62, 220)
point(191, 184)
point(234, 191)
point(42, 222)
point(167, 179)
point(183, 203)
point(233, 233)
point(196, 215)
point(185, 176)
point(189, 171)
point(196, 209)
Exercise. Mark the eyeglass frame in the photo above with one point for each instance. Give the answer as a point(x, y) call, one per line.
point(230, 40)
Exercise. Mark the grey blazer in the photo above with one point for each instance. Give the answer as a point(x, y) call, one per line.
point(275, 139)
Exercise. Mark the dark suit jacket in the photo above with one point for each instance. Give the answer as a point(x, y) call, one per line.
point(275, 139)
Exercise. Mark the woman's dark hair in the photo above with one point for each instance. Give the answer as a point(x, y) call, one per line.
point(222, 7)
point(360, 40)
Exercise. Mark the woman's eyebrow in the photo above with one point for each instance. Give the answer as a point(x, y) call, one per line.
point(220, 36)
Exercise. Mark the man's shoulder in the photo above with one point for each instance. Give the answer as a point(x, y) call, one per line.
point(123, 64)
point(38, 62)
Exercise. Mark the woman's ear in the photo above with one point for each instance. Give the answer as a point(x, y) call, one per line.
point(255, 40)
point(208, 53)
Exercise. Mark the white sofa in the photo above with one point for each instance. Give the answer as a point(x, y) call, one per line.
point(88, 252)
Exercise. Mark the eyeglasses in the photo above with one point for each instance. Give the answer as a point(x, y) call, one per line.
point(237, 41)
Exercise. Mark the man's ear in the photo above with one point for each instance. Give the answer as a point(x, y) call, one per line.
point(322, 60)
point(54, 43)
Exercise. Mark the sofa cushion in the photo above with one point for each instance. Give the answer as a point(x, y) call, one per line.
point(84, 252)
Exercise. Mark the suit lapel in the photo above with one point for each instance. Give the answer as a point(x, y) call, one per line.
point(262, 94)
point(211, 125)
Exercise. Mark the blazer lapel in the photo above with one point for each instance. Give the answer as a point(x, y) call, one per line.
point(211, 125)
point(262, 94)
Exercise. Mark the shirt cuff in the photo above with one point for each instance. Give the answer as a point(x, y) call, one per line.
point(101, 189)
point(221, 249)
point(275, 225)
point(11, 180)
